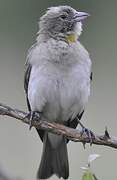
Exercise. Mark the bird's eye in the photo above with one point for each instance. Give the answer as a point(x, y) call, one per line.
point(63, 16)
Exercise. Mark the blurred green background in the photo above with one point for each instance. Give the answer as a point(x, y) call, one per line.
point(20, 149)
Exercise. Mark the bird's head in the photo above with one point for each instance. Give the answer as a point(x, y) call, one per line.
point(62, 21)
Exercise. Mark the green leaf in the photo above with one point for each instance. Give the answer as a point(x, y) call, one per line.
point(87, 176)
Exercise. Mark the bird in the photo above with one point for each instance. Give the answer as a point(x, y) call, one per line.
point(57, 82)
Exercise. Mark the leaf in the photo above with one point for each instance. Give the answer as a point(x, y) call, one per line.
point(85, 168)
point(88, 176)
point(92, 157)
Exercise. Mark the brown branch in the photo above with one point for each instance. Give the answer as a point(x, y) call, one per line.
point(71, 134)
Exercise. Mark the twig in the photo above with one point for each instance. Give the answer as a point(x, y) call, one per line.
point(71, 134)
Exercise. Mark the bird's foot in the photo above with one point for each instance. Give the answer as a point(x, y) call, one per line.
point(31, 116)
point(89, 134)
point(86, 131)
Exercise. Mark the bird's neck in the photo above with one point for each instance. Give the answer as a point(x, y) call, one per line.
point(70, 37)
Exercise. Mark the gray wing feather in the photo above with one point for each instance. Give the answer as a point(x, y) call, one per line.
point(28, 68)
point(91, 76)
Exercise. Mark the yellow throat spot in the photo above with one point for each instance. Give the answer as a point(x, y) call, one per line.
point(71, 38)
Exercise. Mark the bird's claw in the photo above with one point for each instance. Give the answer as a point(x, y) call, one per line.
point(31, 116)
point(89, 133)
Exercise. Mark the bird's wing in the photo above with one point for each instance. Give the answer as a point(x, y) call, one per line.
point(27, 73)
point(91, 76)
point(28, 68)
point(74, 122)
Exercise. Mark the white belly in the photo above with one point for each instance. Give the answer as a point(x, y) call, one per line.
point(59, 93)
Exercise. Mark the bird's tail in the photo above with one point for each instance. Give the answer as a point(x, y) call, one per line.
point(54, 160)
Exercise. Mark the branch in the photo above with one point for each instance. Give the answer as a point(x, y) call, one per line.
point(71, 134)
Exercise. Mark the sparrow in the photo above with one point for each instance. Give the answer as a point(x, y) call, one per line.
point(57, 82)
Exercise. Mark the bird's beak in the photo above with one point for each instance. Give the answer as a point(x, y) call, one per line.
point(79, 16)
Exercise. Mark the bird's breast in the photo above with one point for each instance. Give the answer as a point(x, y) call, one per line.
point(59, 92)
